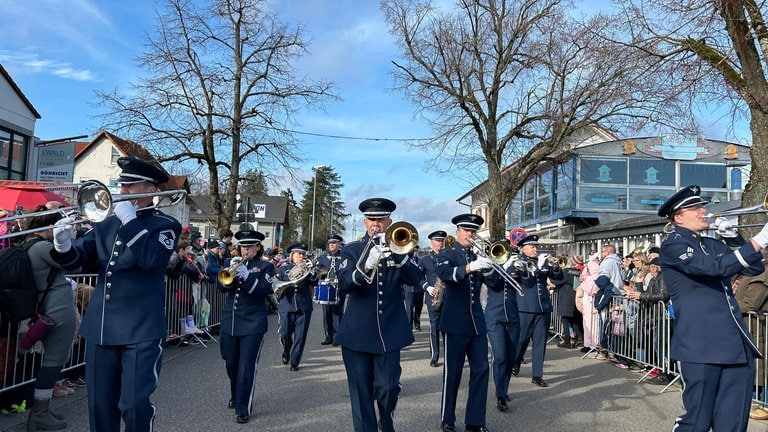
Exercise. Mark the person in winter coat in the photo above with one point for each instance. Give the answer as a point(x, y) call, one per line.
point(570, 317)
point(589, 288)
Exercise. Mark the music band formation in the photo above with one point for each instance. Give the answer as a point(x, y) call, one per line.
point(371, 291)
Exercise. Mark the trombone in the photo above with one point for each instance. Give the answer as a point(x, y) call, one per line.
point(757, 208)
point(95, 202)
point(498, 250)
point(400, 237)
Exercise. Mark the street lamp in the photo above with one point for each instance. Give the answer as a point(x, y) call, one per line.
point(314, 198)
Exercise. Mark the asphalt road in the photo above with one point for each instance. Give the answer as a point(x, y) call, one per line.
point(584, 394)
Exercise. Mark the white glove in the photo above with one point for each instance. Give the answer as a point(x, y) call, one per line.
point(125, 211)
point(431, 290)
point(309, 264)
point(377, 253)
point(724, 228)
point(762, 237)
point(63, 232)
point(481, 263)
point(510, 261)
point(520, 266)
point(242, 272)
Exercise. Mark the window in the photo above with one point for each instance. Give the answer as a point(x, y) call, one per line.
point(115, 156)
point(604, 171)
point(652, 172)
point(564, 187)
point(648, 199)
point(704, 175)
point(602, 198)
point(13, 155)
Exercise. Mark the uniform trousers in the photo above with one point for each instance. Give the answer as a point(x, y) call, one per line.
point(716, 396)
point(533, 327)
point(434, 333)
point(475, 349)
point(121, 378)
point(241, 359)
point(503, 337)
point(414, 304)
point(294, 327)
point(372, 376)
point(330, 321)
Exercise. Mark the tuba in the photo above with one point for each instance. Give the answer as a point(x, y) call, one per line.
point(298, 273)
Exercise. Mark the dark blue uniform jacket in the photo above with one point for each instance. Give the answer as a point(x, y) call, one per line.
point(128, 304)
point(375, 320)
point(697, 271)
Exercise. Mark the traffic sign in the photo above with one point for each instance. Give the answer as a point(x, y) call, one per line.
point(516, 235)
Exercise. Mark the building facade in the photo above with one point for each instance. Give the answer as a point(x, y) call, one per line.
point(17, 129)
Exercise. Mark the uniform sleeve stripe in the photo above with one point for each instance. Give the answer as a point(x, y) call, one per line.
point(136, 238)
point(453, 276)
point(740, 258)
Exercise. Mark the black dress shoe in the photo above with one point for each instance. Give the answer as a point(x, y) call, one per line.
point(231, 404)
point(433, 363)
point(285, 358)
point(509, 399)
point(242, 418)
point(501, 404)
point(539, 381)
point(474, 428)
point(294, 368)
point(515, 369)
point(447, 427)
point(326, 342)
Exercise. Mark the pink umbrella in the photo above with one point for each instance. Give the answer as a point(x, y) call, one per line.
point(28, 197)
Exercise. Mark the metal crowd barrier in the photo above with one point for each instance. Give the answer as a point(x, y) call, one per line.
point(183, 298)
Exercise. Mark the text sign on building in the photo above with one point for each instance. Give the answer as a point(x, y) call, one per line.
point(260, 210)
point(56, 163)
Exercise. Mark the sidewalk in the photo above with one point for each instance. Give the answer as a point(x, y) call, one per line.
point(584, 394)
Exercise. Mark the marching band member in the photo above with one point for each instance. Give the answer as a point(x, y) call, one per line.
point(331, 313)
point(711, 344)
point(125, 324)
point(427, 265)
point(294, 309)
point(244, 321)
point(535, 307)
point(463, 325)
point(503, 321)
point(375, 326)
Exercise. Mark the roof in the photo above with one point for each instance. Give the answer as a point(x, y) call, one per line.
point(18, 91)
point(131, 149)
point(277, 208)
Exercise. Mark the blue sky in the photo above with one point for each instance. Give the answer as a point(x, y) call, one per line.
point(59, 52)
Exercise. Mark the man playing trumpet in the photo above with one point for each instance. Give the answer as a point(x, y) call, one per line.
point(375, 326)
point(427, 265)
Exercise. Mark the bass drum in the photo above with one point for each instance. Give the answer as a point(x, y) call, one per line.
point(325, 293)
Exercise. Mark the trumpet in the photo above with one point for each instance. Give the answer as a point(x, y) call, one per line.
point(557, 261)
point(227, 276)
point(400, 237)
point(480, 250)
point(95, 202)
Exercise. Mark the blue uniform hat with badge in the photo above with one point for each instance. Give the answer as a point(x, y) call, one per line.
point(528, 240)
point(468, 221)
point(377, 208)
point(437, 235)
point(135, 170)
point(684, 198)
point(335, 238)
point(298, 247)
point(249, 237)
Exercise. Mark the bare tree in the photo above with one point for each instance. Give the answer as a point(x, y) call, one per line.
point(716, 51)
point(504, 81)
point(219, 90)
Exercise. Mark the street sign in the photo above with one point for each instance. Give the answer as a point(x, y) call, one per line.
point(516, 235)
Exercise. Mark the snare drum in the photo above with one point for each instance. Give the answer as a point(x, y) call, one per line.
point(325, 293)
